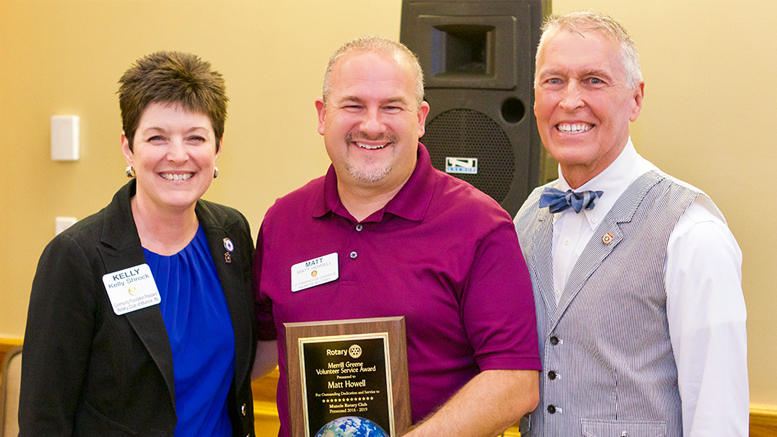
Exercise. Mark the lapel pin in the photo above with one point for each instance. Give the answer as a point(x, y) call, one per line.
point(228, 245)
point(607, 238)
point(227, 257)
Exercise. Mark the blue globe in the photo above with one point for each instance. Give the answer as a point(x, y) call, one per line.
point(351, 426)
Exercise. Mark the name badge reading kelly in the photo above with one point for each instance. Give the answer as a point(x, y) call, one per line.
point(317, 271)
point(131, 289)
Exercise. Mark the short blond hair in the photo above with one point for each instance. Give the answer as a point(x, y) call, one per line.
point(580, 21)
point(379, 44)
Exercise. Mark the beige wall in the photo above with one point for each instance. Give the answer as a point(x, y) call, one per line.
point(65, 57)
point(707, 119)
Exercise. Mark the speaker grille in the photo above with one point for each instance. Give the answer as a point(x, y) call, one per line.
point(466, 133)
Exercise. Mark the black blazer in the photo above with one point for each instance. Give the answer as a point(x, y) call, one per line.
point(87, 371)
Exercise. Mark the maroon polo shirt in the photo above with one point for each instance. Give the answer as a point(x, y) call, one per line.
point(440, 253)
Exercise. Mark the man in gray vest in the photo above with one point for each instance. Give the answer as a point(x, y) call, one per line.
point(637, 278)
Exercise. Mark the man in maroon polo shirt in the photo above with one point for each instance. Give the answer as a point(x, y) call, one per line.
point(405, 240)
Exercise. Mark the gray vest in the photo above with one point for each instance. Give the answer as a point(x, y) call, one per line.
point(608, 366)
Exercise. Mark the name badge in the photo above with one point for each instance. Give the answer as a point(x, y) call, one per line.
point(131, 289)
point(317, 271)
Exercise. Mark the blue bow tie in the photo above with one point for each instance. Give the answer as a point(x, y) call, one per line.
point(558, 200)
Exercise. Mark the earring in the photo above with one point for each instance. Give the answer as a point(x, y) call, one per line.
point(130, 172)
point(215, 172)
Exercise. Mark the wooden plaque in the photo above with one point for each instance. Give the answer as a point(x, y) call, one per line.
point(348, 373)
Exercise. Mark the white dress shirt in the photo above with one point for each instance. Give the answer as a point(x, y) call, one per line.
point(705, 305)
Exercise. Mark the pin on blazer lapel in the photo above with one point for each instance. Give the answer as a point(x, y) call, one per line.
point(216, 230)
point(596, 251)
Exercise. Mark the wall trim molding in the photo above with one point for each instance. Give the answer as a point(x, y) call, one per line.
point(7, 343)
point(264, 411)
point(763, 420)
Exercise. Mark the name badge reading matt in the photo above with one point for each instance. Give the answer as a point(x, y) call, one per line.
point(317, 271)
point(131, 289)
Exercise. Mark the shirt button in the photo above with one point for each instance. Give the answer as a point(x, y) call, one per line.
point(594, 220)
point(557, 293)
point(566, 241)
point(354, 255)
point(552, 375)
point(551, 409)
point(554, 340)
point(359, 227)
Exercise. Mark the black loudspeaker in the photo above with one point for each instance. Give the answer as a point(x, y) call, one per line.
point(478, 62)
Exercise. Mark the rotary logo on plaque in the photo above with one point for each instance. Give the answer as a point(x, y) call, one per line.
point(344, 384)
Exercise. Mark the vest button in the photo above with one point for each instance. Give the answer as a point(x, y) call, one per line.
point(552, 375)
point(551, 409)
point(554, 340)
point(354, 255)
point(243, 409)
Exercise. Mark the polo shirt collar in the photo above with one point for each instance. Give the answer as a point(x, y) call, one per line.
point(329, 200)
point(411, 202)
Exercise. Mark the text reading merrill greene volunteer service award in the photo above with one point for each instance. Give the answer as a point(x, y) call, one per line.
point(348, 377)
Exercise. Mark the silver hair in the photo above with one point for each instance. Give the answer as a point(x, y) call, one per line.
point(380, 44)
point(582, 21)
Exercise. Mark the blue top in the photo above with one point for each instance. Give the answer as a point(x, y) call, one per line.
point(199, 327)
